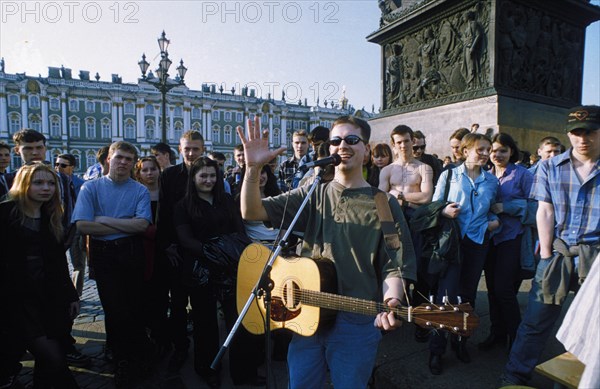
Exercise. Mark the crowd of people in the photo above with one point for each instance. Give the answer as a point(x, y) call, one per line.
point(143, 226)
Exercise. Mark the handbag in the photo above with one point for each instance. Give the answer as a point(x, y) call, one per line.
point(220, 261)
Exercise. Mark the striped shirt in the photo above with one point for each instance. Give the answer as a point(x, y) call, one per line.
point(576, 203)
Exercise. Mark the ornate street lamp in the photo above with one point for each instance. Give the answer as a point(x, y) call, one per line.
point(162, 82)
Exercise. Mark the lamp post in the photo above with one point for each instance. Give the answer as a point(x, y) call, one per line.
point(162, 82)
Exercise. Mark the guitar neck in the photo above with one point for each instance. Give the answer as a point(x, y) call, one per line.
point(348, 304)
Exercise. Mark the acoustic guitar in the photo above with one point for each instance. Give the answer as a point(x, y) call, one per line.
point(303, 298)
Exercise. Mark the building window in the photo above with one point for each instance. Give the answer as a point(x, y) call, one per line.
point(14, 124)
point(13, 101)
point(34, 101)
point(90, 106)
point(276, 120)
point(105, 107)
point(276, 139)
point(264, 119)
point(77, 157)
point(54, 126)
point(130, 129)
point(90, 159)
point(149, 109)
point(150, 130)
point(178, 130)
point(227, 116)
point(178, 112)
point(227, 135)
point(196, 127)
point(196, 113)
point(90, 128)
point(73, 105)
point(288, 140)
point(54, 104)
point(239, 117)
point(216, 135)
point(106, 129)
point(216, 115)
point(129, 109)
point(35, 123)
point(74, 126)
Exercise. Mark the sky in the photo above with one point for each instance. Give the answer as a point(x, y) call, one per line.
point(309, 49)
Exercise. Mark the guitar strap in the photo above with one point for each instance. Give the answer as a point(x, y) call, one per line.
point(391, 235)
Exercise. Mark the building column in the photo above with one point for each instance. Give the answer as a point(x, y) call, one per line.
point(157, 124)
point(283, 132)
point(114, 117)
point(63, 117)
point(24, 118)
point(120, 131)
point(171, 134)
point(3, 114)
point(271, 129)
point(209, 125)
point(204, 123)
point(44, 118)
point(187, 116)
point(139, 117)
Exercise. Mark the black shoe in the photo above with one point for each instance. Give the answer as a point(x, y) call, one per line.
point(122, 377)
point(491, 341)
point(177, 360)
point(461, 351)
point(421, 334)
point(77, 359)
point(435, 364)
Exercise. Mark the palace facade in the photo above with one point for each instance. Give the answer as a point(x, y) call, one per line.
point(79, 116)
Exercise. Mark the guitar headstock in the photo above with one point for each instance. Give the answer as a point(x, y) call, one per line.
point(456, 319)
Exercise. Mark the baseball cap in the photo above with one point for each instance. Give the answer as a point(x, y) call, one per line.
point(585, 117)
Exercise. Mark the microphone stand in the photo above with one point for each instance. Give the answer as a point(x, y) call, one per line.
point(264, 286)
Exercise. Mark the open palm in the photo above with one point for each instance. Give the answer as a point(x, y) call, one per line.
point(256, 144)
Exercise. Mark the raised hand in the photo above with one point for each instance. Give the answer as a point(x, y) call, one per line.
point(256, 144)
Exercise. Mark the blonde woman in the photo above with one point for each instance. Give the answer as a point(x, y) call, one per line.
point(35, 288)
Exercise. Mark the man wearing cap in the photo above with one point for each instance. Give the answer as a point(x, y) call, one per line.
point(568, 221)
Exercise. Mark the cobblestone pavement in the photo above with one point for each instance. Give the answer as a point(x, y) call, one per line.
point(401, 362)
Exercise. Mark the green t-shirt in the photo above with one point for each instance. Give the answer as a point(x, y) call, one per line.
point(342, 224)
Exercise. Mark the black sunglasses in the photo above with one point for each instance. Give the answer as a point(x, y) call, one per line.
point(350, 139)
point(417, 148)
point(63, 165)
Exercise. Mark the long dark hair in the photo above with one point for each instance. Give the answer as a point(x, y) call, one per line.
point(506, 140)
point(191, 199)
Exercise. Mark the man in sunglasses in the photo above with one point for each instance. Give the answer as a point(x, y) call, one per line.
point(419, 145)
point(340, 223)
point(568, 221)
point(65, 165)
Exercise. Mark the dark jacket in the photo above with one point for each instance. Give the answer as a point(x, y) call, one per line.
point(173, 185)
point(440, 237)
point(435, 164)
point(52, 292)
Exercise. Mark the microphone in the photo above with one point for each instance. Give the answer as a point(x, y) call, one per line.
point(333, 159)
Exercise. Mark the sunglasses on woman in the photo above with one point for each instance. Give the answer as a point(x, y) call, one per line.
point(350, 139)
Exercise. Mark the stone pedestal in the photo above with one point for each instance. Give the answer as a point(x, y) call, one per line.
point(512, 66)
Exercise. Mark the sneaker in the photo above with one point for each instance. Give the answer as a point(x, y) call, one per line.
point(77, 359)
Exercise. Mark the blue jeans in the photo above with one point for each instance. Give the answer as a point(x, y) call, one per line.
point(534, 331)
point(349, 349)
